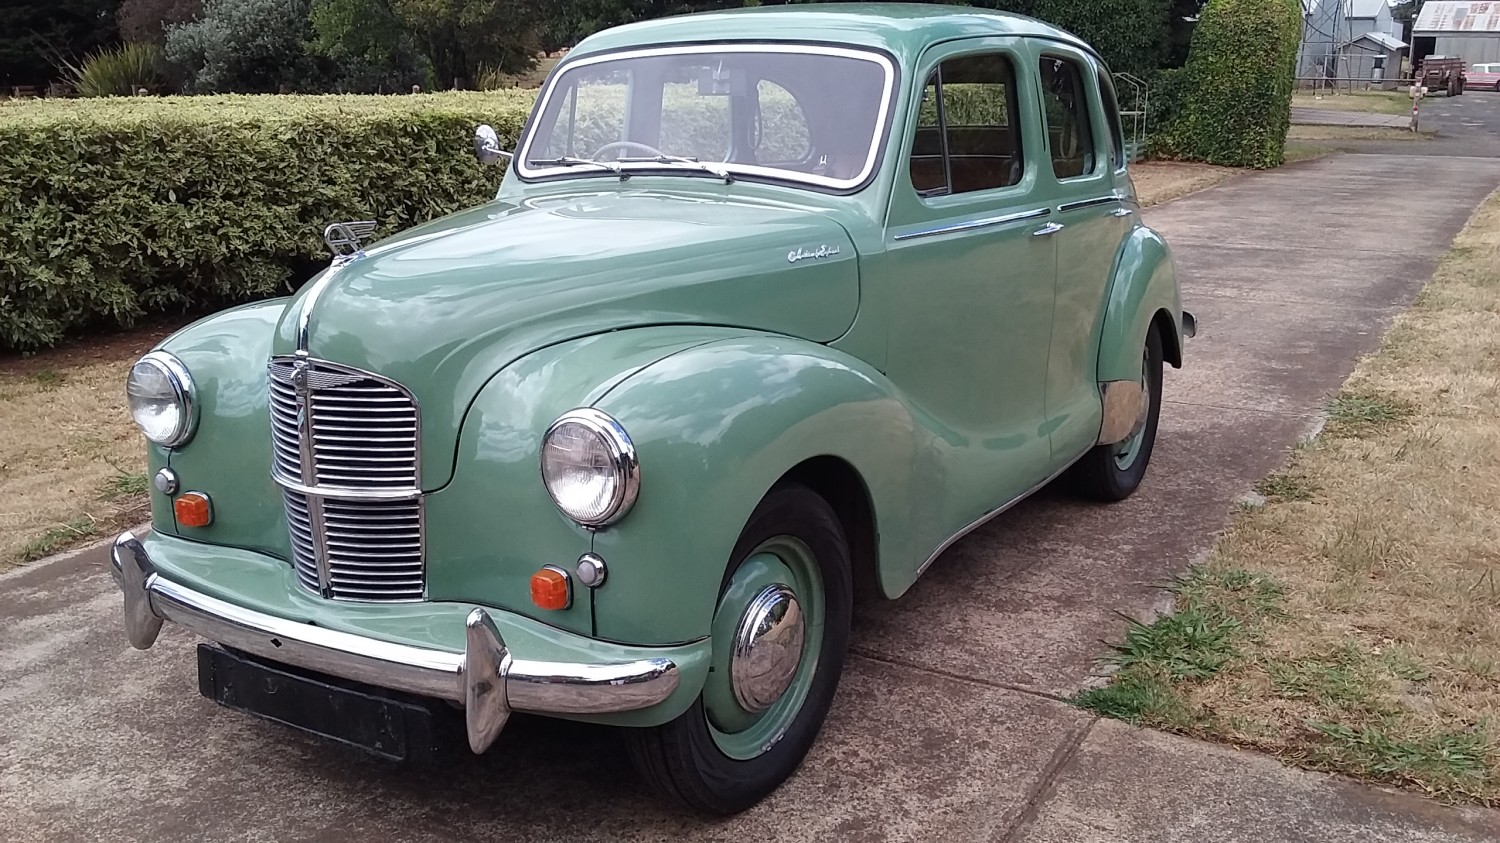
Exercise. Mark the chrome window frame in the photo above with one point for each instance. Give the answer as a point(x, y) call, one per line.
point(878, 129)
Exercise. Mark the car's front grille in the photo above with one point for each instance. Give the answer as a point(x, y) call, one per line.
point(344, 449)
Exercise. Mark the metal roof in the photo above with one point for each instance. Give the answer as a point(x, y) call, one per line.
point(1446, 16)
point(1390, 42)
point(903, 29)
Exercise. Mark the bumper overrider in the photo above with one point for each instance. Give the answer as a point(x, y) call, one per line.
point(486, 679)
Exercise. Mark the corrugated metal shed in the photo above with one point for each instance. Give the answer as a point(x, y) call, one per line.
point(1446, 17)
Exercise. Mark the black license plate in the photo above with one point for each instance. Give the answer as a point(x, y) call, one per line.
point(390, 727)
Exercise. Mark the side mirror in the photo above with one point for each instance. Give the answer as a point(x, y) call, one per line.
point(487, 146)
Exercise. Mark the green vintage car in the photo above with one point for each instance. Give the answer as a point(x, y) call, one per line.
point(771, 305)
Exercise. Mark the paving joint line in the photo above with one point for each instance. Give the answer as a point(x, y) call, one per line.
point(1290, 414)
point(960, 677)
point(1046, 786)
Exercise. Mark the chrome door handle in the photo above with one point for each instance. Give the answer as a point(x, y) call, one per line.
point(1049, 228)
point(1120, 212)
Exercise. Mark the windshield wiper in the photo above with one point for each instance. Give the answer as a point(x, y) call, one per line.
point(727, 176)
point(566, 161)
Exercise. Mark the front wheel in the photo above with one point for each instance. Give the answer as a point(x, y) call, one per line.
point(779, 636)
point(1113, 472)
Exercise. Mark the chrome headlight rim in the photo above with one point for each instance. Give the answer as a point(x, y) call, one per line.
point(623, 460)
point(181, 381)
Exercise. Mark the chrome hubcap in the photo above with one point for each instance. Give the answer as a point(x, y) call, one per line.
point(767, 648)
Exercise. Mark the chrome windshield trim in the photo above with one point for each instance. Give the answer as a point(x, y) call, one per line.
point(523, 153)
point(1088, 203)
point(973, 224)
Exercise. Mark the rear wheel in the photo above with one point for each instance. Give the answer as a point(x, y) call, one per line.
point(779, 635)
point(1113, 472)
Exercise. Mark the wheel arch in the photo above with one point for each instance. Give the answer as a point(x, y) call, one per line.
point(1143, 294)
point(840, 484)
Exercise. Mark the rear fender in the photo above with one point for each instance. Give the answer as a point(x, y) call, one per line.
point(1144, 289)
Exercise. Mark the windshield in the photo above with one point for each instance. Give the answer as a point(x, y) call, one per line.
point(805, 113)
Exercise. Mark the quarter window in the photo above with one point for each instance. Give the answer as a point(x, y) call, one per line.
point(967, 135)
point(1069, 132)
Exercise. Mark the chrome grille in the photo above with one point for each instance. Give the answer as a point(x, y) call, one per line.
point(344, 449)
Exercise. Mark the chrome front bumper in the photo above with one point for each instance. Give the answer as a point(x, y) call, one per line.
point(486, 678)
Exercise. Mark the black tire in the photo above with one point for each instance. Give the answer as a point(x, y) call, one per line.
point(1497, 87)
point(680, 759)
point(1098, 475)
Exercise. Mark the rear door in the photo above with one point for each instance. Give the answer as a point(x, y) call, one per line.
point(1086, 159)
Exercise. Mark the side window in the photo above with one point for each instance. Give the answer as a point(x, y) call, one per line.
point(1112, 114)
point(1067, 108)
point(968, 135)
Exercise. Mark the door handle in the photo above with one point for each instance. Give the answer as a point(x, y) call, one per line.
point(1048, 229)
point(1120, 212)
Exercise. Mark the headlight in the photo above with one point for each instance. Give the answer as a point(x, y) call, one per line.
point(160, 392)
point(589, 467)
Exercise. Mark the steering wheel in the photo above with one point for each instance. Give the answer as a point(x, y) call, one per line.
point(624, 145)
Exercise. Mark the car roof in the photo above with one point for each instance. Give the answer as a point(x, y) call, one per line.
point(902, 29)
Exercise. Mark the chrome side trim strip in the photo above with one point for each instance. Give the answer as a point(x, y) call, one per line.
point(997, 511)
point(973, 224)
point(486, 677)
point(1087, 203)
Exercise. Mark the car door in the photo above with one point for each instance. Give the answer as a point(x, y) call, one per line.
point(1086, 161)
point(970, 272)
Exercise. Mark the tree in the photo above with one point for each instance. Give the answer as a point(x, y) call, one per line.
point(247, 46)
point(146, 21)
point(370, 47)
point(36, 34)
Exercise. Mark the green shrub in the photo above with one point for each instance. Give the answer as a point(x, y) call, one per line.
point(115, 208)
point(248, 46)
point(1234, 103)
point(118, 71)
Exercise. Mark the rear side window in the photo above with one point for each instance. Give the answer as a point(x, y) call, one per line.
point(1066, 106)
point(1112, 114)
point(968, 133)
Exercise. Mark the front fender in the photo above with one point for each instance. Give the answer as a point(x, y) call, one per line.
point(229, 456)
point(715, 427)
point(493, 525)
point(1144, 286)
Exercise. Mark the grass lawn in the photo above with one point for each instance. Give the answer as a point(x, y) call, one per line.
point(1376, 102)
point(71, 461)
point(1349, 619)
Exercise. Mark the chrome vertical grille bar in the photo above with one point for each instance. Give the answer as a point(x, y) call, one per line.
point(345, 451)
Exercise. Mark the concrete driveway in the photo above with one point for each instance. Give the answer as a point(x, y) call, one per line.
point(949, 723)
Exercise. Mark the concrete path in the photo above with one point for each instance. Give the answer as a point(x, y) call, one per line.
point(948, 725)
point(1338, 117)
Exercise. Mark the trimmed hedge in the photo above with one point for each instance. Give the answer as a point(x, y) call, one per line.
point(112, 209)
point(1232, 103)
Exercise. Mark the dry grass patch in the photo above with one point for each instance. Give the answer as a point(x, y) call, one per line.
point(1374, 102)
point(71, 461)
point(1162, 181)
point(1352, 622)
point(1354, 133)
